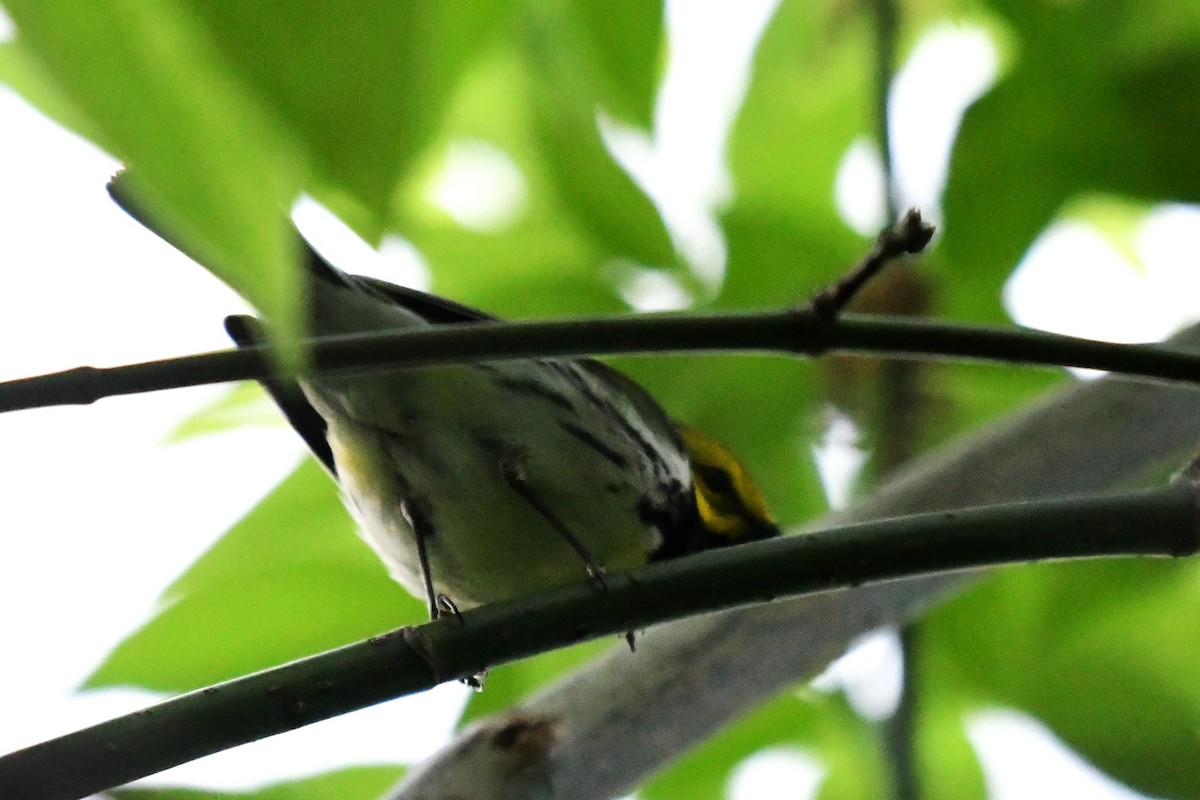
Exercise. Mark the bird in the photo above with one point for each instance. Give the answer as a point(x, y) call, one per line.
point(485, 481)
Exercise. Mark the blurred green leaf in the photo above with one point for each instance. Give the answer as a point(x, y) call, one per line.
point(291, 579)
point(850, 747)
point(363, 85)
point(820, 725)
point(809, 99)
point(946, 763)
point(588, 182)
point(1096, 102)
point(246, 404)
point(360, 782)
point(545, 261)
point(22, 71)
point(211, 165)
point(705, 771)
point(303, 509)
point(625, 40)
point(235, 628)
point(1083, 646)
point(532, 269)
point(1117, 219)
point(779, 258)
point(605, 201)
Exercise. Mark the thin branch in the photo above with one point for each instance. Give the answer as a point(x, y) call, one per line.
point(906, 237)
point(791, 331)
point(897, 433)
point(811, 330)
point(886, 17)
point(1164, 521)
point(898, 731)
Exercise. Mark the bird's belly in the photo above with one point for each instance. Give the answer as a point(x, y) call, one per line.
point(485, 541)
point(479, 553)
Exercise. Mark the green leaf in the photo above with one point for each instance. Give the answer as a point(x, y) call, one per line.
point(212, 166)
point(589, 184)
point(542, 243)
point(948, 766)
point(536, 268)
point(1091, 106)
point(946, 763)
point(850, 748)
point(821, 725)
point(778, 257)
point(244, 405)
point(359, 782)
point(625, 41)
point(704, 772)
point(808, 100)
point(364, 84)
point(1117, 219)
point(1101, 652)
point(22, 71)
point(546, 260)
point(291, 579)
point(603, 199)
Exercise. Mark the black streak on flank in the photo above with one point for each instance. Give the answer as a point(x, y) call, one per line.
point(572, 373)
point(535, 389)
point(591, 441)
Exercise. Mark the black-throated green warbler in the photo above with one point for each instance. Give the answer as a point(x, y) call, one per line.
point(484, 481)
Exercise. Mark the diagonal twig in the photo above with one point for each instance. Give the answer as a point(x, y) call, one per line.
point(908, 236)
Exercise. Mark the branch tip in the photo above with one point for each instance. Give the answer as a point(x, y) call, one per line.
point(912, 231)
point(908, 236)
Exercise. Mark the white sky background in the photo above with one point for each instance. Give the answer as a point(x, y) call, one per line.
point(99, 516)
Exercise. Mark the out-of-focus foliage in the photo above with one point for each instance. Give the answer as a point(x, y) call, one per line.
point(1100, 98)
point(1097, 651)
point(227, 110)
point(290, 579)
